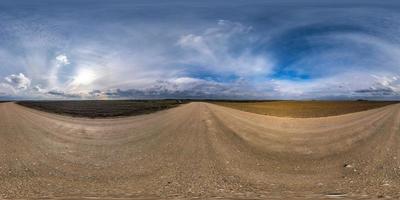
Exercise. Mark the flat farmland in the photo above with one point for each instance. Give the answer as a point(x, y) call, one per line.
point(101, 109)
point(303, 109)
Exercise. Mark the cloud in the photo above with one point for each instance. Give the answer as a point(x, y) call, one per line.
point(182, 87)
point(377, 91)
point(7, 90)
point(263, 50)
point(38, 88)
point(18, 81)
point(53, 79)
point(383, 86)
point(225, 48)
point(63, 94)
point(62, 59)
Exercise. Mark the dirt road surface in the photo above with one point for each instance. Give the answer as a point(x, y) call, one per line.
point(199, 150)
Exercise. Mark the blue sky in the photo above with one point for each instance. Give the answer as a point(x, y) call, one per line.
point(56, 49)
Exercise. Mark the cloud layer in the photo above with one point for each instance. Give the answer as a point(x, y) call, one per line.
point(257, 50)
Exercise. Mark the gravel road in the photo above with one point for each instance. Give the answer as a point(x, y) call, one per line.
point(199, 150)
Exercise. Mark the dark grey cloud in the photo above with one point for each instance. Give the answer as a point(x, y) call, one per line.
point(377, 91)
point(182, 88)
point(63, 94)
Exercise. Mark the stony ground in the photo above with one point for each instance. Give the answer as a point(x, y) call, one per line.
point(199, 150)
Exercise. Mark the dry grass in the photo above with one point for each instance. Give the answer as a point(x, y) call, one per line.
point(304, 109)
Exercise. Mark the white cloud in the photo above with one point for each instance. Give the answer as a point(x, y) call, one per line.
point(167, 59)
point(62, 59)
point(18, 81)
point(195, 42)
point(38, 88)
point(6, 89)
point(354, 84)
point(225, 48)
point(53, 77)
point(386, 83)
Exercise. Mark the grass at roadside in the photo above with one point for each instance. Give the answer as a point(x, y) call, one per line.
point(303, 109)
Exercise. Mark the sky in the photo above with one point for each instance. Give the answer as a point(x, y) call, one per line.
point(122, 49)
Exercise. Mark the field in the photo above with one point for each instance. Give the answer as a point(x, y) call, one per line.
point(101, 109)
point(116, 108)
point(303, 109)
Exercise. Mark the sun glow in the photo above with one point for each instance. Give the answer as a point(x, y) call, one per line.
point(84, 77)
